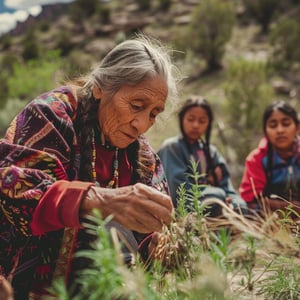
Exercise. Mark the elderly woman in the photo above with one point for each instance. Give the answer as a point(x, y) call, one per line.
point(77, 148)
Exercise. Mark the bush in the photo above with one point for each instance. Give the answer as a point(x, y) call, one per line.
point(247, 92)
point(165, 4)
point(210, 29)
point(64, 43)
point(5, 41)
point(81, 9)
point(262, 11)
point(143, 4)
point(31, 47)
point(8, 112)
point(285, 38)
point(34, 77)
point(104, 12)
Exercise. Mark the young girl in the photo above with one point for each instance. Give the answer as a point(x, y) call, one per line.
point(177, 153)
point(272, 170)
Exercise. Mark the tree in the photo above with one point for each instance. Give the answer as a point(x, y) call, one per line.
point(263, 11)
point(211, 26)
point(31, 47)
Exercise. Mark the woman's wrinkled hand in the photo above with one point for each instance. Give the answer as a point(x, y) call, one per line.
point(137, 207)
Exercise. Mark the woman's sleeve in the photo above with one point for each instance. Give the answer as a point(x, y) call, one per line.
point(59, 207)
point(254, 178)
point(36, 152)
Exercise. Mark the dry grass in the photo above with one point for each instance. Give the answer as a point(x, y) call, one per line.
point(257, 244)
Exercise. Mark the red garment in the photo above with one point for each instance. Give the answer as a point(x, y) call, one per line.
point(59, 207)
point(104, 166)
point(254, 178)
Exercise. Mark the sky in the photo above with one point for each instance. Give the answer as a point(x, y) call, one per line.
point(12, 11)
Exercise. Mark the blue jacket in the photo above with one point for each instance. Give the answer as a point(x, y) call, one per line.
point(176, 160)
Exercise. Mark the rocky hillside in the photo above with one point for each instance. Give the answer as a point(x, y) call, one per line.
point(92, 35)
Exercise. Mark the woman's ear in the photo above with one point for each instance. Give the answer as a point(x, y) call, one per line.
point(97, 93)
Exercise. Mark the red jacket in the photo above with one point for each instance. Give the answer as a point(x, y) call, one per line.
point(254, 178)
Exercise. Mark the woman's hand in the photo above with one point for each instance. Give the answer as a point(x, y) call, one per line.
point(137, 207)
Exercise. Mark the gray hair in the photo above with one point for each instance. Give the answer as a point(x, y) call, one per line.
point(133, 61)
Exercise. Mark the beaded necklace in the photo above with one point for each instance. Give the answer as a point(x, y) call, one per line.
point(114, 182)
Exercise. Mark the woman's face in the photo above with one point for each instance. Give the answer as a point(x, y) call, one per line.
point(281, 130)
point(195, 123)
point(131, 111)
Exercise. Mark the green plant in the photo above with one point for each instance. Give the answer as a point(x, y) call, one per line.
point(220, 247)
point(5, 41)
point(228, 258)
point(247, 92)
point(263, 11)
point(284, 281)
point(210, 29)
point(284, 38)
point(35, 76)
point(8, 112)
point(143, 4)
point(31, 48)
point(64, 43)
point(104, 12)
point(81, 9)
point(165, 4)
point(249, 263)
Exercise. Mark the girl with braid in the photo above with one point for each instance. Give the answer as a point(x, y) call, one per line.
point(272, 171)
point(78, 148)
point(177, 154)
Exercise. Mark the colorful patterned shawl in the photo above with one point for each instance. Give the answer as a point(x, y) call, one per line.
point(39, 148)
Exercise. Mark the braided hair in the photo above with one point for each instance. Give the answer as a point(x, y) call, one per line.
point(286, 109)
point(197, 101)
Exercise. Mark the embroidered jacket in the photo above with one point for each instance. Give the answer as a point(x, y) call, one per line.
point(39, 160)
point(283, 179)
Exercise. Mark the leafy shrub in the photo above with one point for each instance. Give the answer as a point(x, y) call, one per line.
point(263, 11)
point(44, 25)
point(247, 94)
point(143, 4)
point(165, 4)
point(7, 71)
point(81, 9)
point(210, 28)
point(34, 77)
point(8, 112)
point(64, 43)
point(31, 48)
point(285, 38)
point(104, 11)
point(5, 41)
